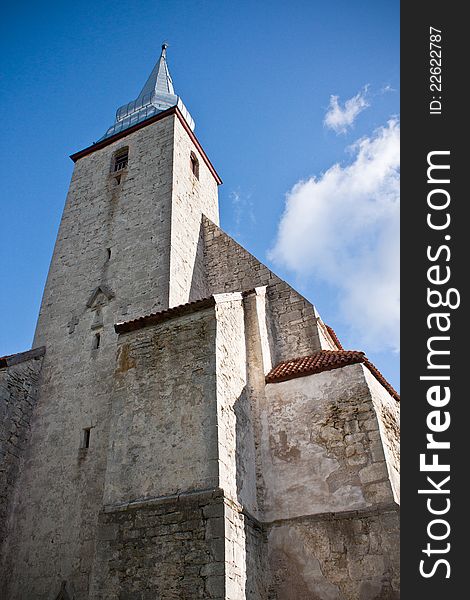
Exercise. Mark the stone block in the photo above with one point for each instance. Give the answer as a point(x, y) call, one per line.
point(374, 472)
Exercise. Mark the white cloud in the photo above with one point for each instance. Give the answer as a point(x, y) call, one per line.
point(343, 229)
point(340, 119)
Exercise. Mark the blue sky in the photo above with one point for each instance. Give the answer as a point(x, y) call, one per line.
point(258, 78)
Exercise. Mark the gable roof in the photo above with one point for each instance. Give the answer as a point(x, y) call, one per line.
point(325, 360)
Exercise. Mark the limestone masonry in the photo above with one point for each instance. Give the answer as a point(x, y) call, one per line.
point(166, 438)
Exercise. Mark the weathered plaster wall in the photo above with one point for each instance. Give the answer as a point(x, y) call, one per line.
point(18, 396)
point(163, 433)
point(230, 268)
point(320, 446)
point(388, 415)
point(348, 556)
point(257, 569)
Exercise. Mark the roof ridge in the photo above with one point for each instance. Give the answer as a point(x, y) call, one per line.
point(325, 360)
point(13, 359)
point(334, 337)
point(164, 315)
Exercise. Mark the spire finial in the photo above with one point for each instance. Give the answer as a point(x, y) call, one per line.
point(156, 96)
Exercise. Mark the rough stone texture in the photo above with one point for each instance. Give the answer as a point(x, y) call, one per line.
point(350, 556)
point(296, 329)
point(169, 548)
point(388, 416)
point(200, 481)
point(163, 431)
point(86, 293)
point(192, 197)
point(192, 545)
point(231, 381)
point(18, 396)
point(179, 409)
point(317, 446)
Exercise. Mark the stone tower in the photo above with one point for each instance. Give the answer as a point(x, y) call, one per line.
point(186, 426)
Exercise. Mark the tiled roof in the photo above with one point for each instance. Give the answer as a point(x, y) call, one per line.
point(325, 360)
point(334, 337)
point(164, 315)
point(14, 359)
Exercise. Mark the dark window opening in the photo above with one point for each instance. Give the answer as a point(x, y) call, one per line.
point(96, 341)
point(121, 159)
point(194, 165)
point(108, 253)
point(86, 437)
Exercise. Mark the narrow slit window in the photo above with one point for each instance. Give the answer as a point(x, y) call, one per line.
point(194, 165)
point(86, 437)
point(108, 253)
point(121, 159)
point(96, 341)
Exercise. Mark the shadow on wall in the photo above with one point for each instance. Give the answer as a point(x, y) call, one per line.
point(254, 542)
point(199, 287)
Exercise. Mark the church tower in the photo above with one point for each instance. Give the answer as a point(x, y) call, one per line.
point(186, 426)
point(127, 246)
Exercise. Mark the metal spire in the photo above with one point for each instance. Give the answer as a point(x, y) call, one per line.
point(159, 80)
point(156, 96)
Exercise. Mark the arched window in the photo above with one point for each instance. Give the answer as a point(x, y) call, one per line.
point(194, 165)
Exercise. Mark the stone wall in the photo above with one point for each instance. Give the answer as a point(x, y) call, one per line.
point(231, 382)
point(388, 416)
point(132, 219)
point(321, 446)
point(166, 548)
point(111, 263)
point(18, 395)
point(159, 462)
point(192, 197)
point(231, 268)
point(348, 556)
point(179, 547)
point(163, 431)
point(182, 420)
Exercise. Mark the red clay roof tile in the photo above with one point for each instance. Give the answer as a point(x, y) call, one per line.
point(325, 360)
point(164, 315)
point(334, 337)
